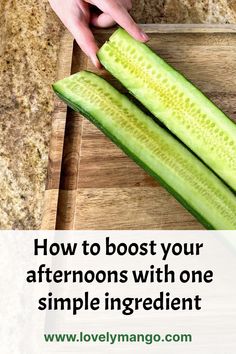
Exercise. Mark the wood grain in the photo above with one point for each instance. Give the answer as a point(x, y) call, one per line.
point(100, 188)
point(180, 28)
point(57, 139)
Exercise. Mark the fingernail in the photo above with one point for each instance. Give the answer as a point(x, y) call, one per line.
point(144, 36)
point(95, 62)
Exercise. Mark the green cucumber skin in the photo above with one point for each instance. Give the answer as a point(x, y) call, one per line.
point(217, 163)
point(112, 112)
point(118, 143)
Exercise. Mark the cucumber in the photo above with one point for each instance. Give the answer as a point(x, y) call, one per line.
point(177, 103)
point(152, 147)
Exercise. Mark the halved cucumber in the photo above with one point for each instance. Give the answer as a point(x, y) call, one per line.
point(153, 148)
point(175, 101)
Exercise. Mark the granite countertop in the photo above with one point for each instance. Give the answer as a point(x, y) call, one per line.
point(29, 43)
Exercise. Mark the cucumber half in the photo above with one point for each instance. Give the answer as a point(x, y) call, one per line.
point(152, 147)
point(177, 103)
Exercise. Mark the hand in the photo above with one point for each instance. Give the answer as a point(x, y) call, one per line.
point(77, 15)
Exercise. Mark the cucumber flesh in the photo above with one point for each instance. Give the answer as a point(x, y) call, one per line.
point(152, 147)
point(177, 103)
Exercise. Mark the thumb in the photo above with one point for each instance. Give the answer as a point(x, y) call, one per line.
point(102, 20)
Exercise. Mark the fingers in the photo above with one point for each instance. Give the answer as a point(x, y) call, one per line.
point(121, 16)
point(102, 20)
point(85, 39)
point(75, 14)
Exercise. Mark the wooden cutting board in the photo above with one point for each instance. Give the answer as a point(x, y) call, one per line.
point(91, 184)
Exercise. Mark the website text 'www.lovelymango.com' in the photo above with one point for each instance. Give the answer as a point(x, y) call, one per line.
point(116, 338)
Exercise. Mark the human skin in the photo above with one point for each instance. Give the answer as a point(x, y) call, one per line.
point(78, 15)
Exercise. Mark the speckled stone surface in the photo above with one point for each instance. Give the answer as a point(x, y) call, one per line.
point(29, 43)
